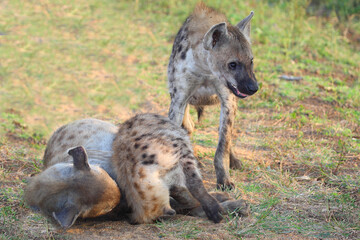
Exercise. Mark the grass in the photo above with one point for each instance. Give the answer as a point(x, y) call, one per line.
point(299, 141)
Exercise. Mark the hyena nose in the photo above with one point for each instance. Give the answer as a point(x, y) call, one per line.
point(253, 88)
point(169, 211)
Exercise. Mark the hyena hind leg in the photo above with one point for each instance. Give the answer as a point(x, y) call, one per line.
point(149, 205)
point(235, 163)
point(200, 112)
point(182, 200)
point(238, 207)
point(188, 124)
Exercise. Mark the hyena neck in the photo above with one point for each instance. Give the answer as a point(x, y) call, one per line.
point(102, 158)
point(198, 61)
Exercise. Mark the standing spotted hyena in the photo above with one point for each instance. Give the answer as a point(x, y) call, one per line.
point(153, 157)
point(211, 62)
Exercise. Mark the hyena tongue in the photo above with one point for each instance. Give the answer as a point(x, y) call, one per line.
point(236, 90)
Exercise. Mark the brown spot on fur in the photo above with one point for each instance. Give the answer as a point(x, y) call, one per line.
point(72, 136)
point(142, 194)
point(136, 145)
point(155, 208)
point(142, 173)
point(162, 122)
point(148, 162)
point(183, 55)
point(136, 185)
point(133, 133)
point(122, 147)
point(144, 147)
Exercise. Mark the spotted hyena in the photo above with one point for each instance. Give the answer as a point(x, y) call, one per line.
point(79, 179)
point(211, 62)
point(153, 156)
point(76, 181)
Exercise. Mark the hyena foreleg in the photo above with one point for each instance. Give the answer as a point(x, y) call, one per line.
point(196, 187)
point(184, 203)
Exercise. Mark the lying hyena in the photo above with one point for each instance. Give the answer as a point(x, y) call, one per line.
point(80, 182)
point(211, 61)
point(152, 156)
point(75, 183)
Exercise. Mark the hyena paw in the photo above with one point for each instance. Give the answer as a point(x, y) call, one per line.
point(226, 185)
point(239, 207)
point(212, 211)
point(235, 163)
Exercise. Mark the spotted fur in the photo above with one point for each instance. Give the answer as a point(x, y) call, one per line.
point(80, 181)
point(151, 156)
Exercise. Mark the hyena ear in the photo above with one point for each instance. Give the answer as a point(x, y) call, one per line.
point(66, 216)
point(214, 36)
point(80, 158)
point(245, 26)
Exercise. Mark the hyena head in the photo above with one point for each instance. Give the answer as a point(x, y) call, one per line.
point(231, 58)
point(64, 191)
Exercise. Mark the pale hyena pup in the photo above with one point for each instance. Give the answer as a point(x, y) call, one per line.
point(211, 62)
point(76, 182)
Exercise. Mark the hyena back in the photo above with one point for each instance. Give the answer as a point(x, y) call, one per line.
point(153, 156)
point(211, 62)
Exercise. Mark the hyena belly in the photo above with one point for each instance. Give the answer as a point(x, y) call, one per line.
point(151, 156)
point(74, 184)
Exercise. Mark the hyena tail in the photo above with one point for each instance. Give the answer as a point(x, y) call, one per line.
point(200, 112)
point(196, 187)
point(148, 195)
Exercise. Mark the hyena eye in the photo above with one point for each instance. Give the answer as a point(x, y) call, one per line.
point(232, 65)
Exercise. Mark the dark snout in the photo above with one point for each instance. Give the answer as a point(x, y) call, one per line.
point(251, 87)
point(246, 83)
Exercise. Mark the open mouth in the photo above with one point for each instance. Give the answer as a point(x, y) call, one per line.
point(236, 91)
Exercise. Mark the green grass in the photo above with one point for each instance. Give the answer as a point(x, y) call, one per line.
point(298, 141)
